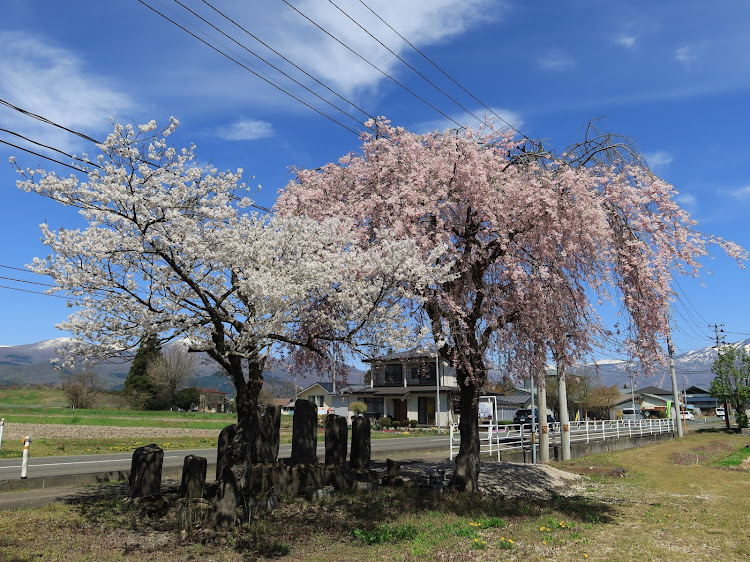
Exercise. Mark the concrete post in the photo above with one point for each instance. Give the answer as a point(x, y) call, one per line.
point(2, 426)
point(25, 457)
point(564, 418)
point(544, 429)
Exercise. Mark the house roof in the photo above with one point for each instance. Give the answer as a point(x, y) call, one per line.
point(653, 390)
point(209, 391)
point(412, 354)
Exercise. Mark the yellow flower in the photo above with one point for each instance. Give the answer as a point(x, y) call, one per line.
point(541, 528)
point(502, 539)
point(510, 541)
point(585, 555)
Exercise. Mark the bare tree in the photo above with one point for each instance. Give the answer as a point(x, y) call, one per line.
point(169, 371)
point(81, 389)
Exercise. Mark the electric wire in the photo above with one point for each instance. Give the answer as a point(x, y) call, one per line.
point(340, 42)
point(33, 292)
point(277, 69)
point(41, 156)
point(280, 55)
point(291, 95)
point(430, 82)
point(428, 59)
point(52, 148)
point(82, 135)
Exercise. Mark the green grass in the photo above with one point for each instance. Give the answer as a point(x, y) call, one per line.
point(735, 459)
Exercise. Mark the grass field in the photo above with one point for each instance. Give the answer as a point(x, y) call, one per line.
point(667, 501)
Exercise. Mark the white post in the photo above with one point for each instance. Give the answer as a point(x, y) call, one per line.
point(2, 425)
point(564, 418)
point(25, 458)
point(544, 433)
point(437, 390)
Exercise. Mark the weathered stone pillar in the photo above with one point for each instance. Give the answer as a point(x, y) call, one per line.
point(266, 446)
point(361, 445)
point(337, 432)
point(145, 472)
point(193, 476)
point(225, 440)
point(305, 433)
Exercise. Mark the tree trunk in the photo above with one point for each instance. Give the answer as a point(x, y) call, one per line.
point(466, 476)
point(233, 495)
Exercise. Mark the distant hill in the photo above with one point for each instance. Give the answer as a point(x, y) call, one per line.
point(30, 364)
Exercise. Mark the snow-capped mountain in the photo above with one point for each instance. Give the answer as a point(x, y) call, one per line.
point(692, 368)
point(30, 364)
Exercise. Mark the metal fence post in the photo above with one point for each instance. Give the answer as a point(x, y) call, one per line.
point(2, 425)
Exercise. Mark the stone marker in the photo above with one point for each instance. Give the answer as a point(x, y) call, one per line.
point(392, 474)
point(193, 476)
point(145, 472)
point(337, 433)
point(305, 433)
point(266, 446)
point(225, 439)
point(361, 445)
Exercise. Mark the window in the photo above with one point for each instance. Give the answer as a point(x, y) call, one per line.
point(394, 373)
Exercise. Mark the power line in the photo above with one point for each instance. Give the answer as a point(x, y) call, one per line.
point(340, 42)
point(430, 82)
point(280, 55)
point(41, 156)
point(315, 109)
point(277, 69)
point(82, 135)
point(49, 122)
point(52, 148)
point(428, 59)
point(33, 292)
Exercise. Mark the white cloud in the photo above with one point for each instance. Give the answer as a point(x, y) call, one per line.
point(685, 55)
point(556, 61)
point(627, 41)
point(422, 23)
point(741, 193)
point(658, 159)
point(686, 200)
point(507, 116)
point(53, 82)
point(246, 129)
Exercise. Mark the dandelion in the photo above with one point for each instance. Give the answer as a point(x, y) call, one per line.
point(544, 542)
point(510, 541)
point(585, 555)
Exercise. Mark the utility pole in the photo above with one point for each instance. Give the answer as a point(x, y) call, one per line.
point(717, 329)
point(675, 391)
point(562, 393)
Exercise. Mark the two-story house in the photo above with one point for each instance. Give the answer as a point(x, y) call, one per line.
point(404, 386)
point(411, 385)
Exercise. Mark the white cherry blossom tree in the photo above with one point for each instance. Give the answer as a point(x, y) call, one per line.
point(170, 249)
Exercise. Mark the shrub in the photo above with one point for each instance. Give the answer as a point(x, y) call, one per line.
point(396, 424)
point(385, 422)
point(358, 408)
point(413, 423)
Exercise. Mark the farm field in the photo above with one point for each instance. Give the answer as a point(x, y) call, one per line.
point(58, 430)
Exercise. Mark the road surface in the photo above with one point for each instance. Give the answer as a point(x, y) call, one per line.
point(10, 469)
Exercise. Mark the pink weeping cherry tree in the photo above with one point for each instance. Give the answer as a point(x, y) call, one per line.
point(536, 243)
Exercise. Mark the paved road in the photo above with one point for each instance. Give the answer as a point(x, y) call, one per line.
point(10, 469)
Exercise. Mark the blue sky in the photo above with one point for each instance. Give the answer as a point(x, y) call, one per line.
point(672, 75)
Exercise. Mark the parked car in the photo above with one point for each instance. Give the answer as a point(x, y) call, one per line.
point(720, 411)
point(524, 417)
point(632, 414)
point(688, 416)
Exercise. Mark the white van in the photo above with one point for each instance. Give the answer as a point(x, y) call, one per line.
point(631, 414)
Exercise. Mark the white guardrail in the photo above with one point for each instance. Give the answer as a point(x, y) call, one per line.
point(496, 438)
